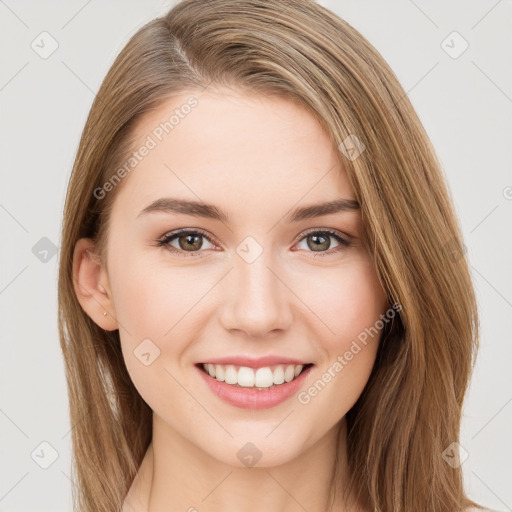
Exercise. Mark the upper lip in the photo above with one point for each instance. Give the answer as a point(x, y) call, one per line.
point(252, 362)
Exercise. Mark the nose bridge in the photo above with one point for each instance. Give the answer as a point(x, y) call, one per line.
point(257, 302)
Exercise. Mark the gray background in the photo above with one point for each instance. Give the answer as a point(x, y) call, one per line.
point(465, 104)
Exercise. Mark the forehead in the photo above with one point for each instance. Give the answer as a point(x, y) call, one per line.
point(240, 150)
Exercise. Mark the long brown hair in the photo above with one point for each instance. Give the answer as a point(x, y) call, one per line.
point(410, 409)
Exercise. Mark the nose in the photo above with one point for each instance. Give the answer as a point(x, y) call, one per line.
point(256, 300)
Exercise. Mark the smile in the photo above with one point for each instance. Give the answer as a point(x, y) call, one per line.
point(254, 388)
point(261, 378)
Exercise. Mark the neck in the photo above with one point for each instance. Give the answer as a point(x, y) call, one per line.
point(177, 476)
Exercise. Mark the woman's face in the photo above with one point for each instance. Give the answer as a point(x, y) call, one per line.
point(247, 281)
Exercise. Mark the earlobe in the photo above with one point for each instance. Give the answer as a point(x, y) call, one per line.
point(91, 284)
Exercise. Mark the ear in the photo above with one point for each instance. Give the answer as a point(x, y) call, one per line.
point(91, 284)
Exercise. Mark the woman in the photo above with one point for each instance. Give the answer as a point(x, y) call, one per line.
point(213, 361)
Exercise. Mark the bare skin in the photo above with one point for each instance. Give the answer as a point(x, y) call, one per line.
point(256, 158)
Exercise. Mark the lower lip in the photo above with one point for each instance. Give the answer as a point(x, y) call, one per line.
point(252, 398)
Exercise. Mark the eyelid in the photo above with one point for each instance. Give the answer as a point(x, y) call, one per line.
point(200, 231)
point(331, 231)
point(185, 231)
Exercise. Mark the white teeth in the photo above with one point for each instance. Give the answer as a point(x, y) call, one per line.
point(279, 375)
point(231, 375)
point(220, 374)
point(264, 378)
point(289, 373)
point(248, 377)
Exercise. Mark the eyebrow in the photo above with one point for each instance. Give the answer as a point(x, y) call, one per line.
point(200, 209)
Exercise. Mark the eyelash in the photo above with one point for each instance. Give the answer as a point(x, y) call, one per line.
point(165, 240)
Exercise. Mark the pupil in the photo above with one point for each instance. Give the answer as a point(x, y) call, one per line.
point(188, 238)
point(321, 245)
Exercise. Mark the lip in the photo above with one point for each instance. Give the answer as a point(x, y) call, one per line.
point(253, 398)
point(252, 362)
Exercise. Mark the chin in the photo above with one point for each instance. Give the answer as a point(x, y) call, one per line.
point(256, 453)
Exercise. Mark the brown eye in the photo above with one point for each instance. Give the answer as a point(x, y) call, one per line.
point(320, 242)
point(183, 241)
point(190, 242)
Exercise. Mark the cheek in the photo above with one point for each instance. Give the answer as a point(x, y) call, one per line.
point(351, 304)
point(349, 300)
point(150, 306)
point(151, 300)
point(159, 311)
